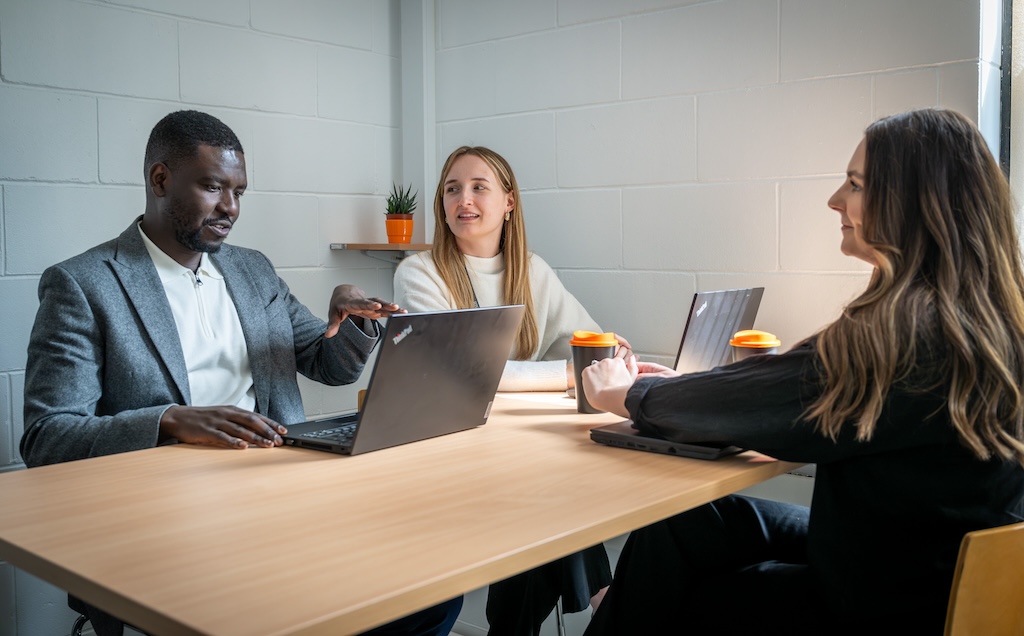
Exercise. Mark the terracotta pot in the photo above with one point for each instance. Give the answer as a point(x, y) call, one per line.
point(399, 227)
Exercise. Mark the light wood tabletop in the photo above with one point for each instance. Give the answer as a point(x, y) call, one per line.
point(188, 540)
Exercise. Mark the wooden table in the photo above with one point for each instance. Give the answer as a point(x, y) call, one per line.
point(189, 540)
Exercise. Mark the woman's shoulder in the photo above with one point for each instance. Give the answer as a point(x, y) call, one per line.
point(538, 266)
point(418, 262)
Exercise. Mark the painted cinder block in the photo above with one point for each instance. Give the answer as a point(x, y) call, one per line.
point(54, 138)
point(706, 47)
point(358, 86)
point(704, 227)
point(786, 130)
point(252, 71)
point(318, 156)
point(77, 218)
point(345, 23)
point(17, 312)
point(462, 22)
point(651, 141)
point(901, 35)
point(578, 229)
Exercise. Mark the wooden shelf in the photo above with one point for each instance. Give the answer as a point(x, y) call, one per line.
point(389, 252)
point(382, 247)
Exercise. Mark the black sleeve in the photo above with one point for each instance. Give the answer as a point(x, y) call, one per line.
point(756, 404)
point(759, 404)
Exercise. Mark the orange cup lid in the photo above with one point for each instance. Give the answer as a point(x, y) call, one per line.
point(593, 339)
point(754, 339)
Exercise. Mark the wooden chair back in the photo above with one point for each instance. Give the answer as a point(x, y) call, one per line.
point(988, 587)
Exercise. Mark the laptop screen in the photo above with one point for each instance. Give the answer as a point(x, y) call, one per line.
point(714, 317)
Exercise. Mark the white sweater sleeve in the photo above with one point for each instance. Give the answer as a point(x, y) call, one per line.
point(534, 375)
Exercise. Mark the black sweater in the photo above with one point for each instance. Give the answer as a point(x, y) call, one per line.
point(887, 515)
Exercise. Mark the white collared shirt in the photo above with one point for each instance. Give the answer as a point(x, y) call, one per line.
point(211, 335)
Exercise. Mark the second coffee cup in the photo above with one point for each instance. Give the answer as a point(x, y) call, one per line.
point(587, 348)
point(752, 342)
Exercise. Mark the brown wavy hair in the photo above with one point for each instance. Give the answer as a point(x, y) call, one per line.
point(938, 214)
point(451, 264)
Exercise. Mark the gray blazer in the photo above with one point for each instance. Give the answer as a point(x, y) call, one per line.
point(105, 361)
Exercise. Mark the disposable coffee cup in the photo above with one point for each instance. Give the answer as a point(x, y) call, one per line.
point(589, 347)
point(751, 342)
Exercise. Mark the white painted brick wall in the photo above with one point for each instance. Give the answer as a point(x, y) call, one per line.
point(89, 47)
point(824, 38)
point(55, 135)
point(48, 223)
point(341, 74)
point(7, 450)
point(706, 227)
point(782, 130)
point(628, 143)
point(17, 310)
point(233, 12)
point(346, 23)
point(575, 228)
point(688, 51)
point(461, 22)
point(313, 155)
point(225, 66)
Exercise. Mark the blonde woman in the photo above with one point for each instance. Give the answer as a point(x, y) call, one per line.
point(479, 259)
point(910, 404)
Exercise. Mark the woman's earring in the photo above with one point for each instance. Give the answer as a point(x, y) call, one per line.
point(508, 215)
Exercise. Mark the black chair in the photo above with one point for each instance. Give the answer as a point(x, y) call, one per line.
point(103, 624)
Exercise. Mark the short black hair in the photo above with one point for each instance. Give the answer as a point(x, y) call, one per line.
point(178, 136)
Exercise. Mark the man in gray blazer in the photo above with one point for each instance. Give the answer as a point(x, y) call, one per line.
point(167, 334)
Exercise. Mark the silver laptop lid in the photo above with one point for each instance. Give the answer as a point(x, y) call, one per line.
point(713, 319)
point(436, 373)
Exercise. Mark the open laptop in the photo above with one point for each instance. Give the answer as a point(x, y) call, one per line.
point(713, 319)
point(436, 373)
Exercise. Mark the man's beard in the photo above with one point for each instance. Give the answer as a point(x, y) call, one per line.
point(188, 236)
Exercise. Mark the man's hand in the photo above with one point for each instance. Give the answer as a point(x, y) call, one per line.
point(225, 426)
point(349, 300)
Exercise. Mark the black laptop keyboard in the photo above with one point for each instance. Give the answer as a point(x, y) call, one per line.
point(339, 435)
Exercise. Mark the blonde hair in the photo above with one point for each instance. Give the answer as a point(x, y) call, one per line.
point(451, 264)
point(948, 286)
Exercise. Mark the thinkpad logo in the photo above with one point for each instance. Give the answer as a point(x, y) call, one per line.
point(702, 308)
point(402, 334)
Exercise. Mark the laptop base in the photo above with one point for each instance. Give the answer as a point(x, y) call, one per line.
point(623, 435)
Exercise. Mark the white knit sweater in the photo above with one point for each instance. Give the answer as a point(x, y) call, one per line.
point(418, 287)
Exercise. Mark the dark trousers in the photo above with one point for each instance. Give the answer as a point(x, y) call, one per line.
point(433, 621)
point(734, 566)
point(518, 605)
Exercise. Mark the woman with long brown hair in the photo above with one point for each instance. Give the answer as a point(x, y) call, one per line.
point(480, 259)
point(910, 404)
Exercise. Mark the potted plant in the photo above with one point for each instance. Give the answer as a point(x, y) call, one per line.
point(398, 215)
